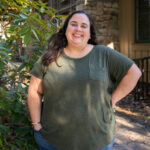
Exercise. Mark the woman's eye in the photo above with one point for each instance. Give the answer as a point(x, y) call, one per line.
point(74, 25)
point(83, 26)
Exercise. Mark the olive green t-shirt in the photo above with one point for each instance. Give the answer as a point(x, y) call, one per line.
point(77, 112)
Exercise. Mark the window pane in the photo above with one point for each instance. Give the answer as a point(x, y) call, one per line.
point(142, 20)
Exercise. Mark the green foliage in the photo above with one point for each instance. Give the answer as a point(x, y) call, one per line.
point(31, 23)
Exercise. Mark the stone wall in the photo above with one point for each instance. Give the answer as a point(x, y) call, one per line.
point(106, 18)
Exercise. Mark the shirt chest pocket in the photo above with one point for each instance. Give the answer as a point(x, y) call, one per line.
point(98, 73)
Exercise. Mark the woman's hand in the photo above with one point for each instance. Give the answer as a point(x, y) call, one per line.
point(126, 85)
point(113, 105)
point(37, 127)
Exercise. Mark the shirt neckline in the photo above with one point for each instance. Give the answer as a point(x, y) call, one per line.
point(72, 58)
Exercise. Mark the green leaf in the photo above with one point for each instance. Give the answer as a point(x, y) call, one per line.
point(21, 67)
point(13, 146)
point(35, 34)
point(13, 27)
point(25, 58)
point(42, 10)
point(61, 16)
point(27, 38)
point(3, 48)
point(4, 128)
point(37, 20)
point(4, 53)
point(23, 31)
point(1, 143)
point(51, 9)
point(23, 16)
point(19, 142)
point(2, 6)
point(2, 92)
point(18, 20)
point(27, 9)
point(13, 14)
point(50, 13)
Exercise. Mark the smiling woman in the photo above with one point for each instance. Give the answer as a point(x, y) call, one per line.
point(78, 35)
point(80, 83)
point(78, 30)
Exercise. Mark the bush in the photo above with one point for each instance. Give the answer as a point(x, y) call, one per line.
point(28, 22)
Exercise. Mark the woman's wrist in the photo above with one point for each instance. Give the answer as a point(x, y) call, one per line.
point(114, 100)
point(36, 125)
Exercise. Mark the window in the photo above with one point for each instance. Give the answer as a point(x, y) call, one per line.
point(142, 21)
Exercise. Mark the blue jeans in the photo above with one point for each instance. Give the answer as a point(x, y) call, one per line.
point(44, 145)
point(110, 146)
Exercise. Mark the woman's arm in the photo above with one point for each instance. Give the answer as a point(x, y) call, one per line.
point(34, 101)
point(126, 85)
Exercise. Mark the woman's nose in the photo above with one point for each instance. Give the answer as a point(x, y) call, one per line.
point(78, 28)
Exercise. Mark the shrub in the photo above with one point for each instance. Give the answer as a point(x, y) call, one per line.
point(28, 23)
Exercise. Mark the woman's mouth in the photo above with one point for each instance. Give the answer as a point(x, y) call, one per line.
point(77, 35)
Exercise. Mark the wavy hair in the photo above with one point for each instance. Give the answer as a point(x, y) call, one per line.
point(58, 40)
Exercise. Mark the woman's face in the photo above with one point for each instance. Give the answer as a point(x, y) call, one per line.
point(78, 30)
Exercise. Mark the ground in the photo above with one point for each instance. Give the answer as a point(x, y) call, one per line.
point(132, 125)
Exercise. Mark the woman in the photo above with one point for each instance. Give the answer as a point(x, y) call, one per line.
point(80, 82)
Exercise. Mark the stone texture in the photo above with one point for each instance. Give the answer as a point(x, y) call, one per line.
point(79, 7)
point(100, 5)
point(115, 5)
point(108, 4)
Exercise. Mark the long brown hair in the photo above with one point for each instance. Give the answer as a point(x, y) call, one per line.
point(58, 41)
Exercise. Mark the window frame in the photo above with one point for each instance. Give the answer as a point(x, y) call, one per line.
point(136, 25)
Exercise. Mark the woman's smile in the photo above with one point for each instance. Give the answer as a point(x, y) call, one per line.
point(77, 35)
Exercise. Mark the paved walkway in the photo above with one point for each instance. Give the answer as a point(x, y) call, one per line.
point(131, 133)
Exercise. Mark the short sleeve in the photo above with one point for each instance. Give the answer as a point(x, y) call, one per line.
point(38, 69)
point(119, 65)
